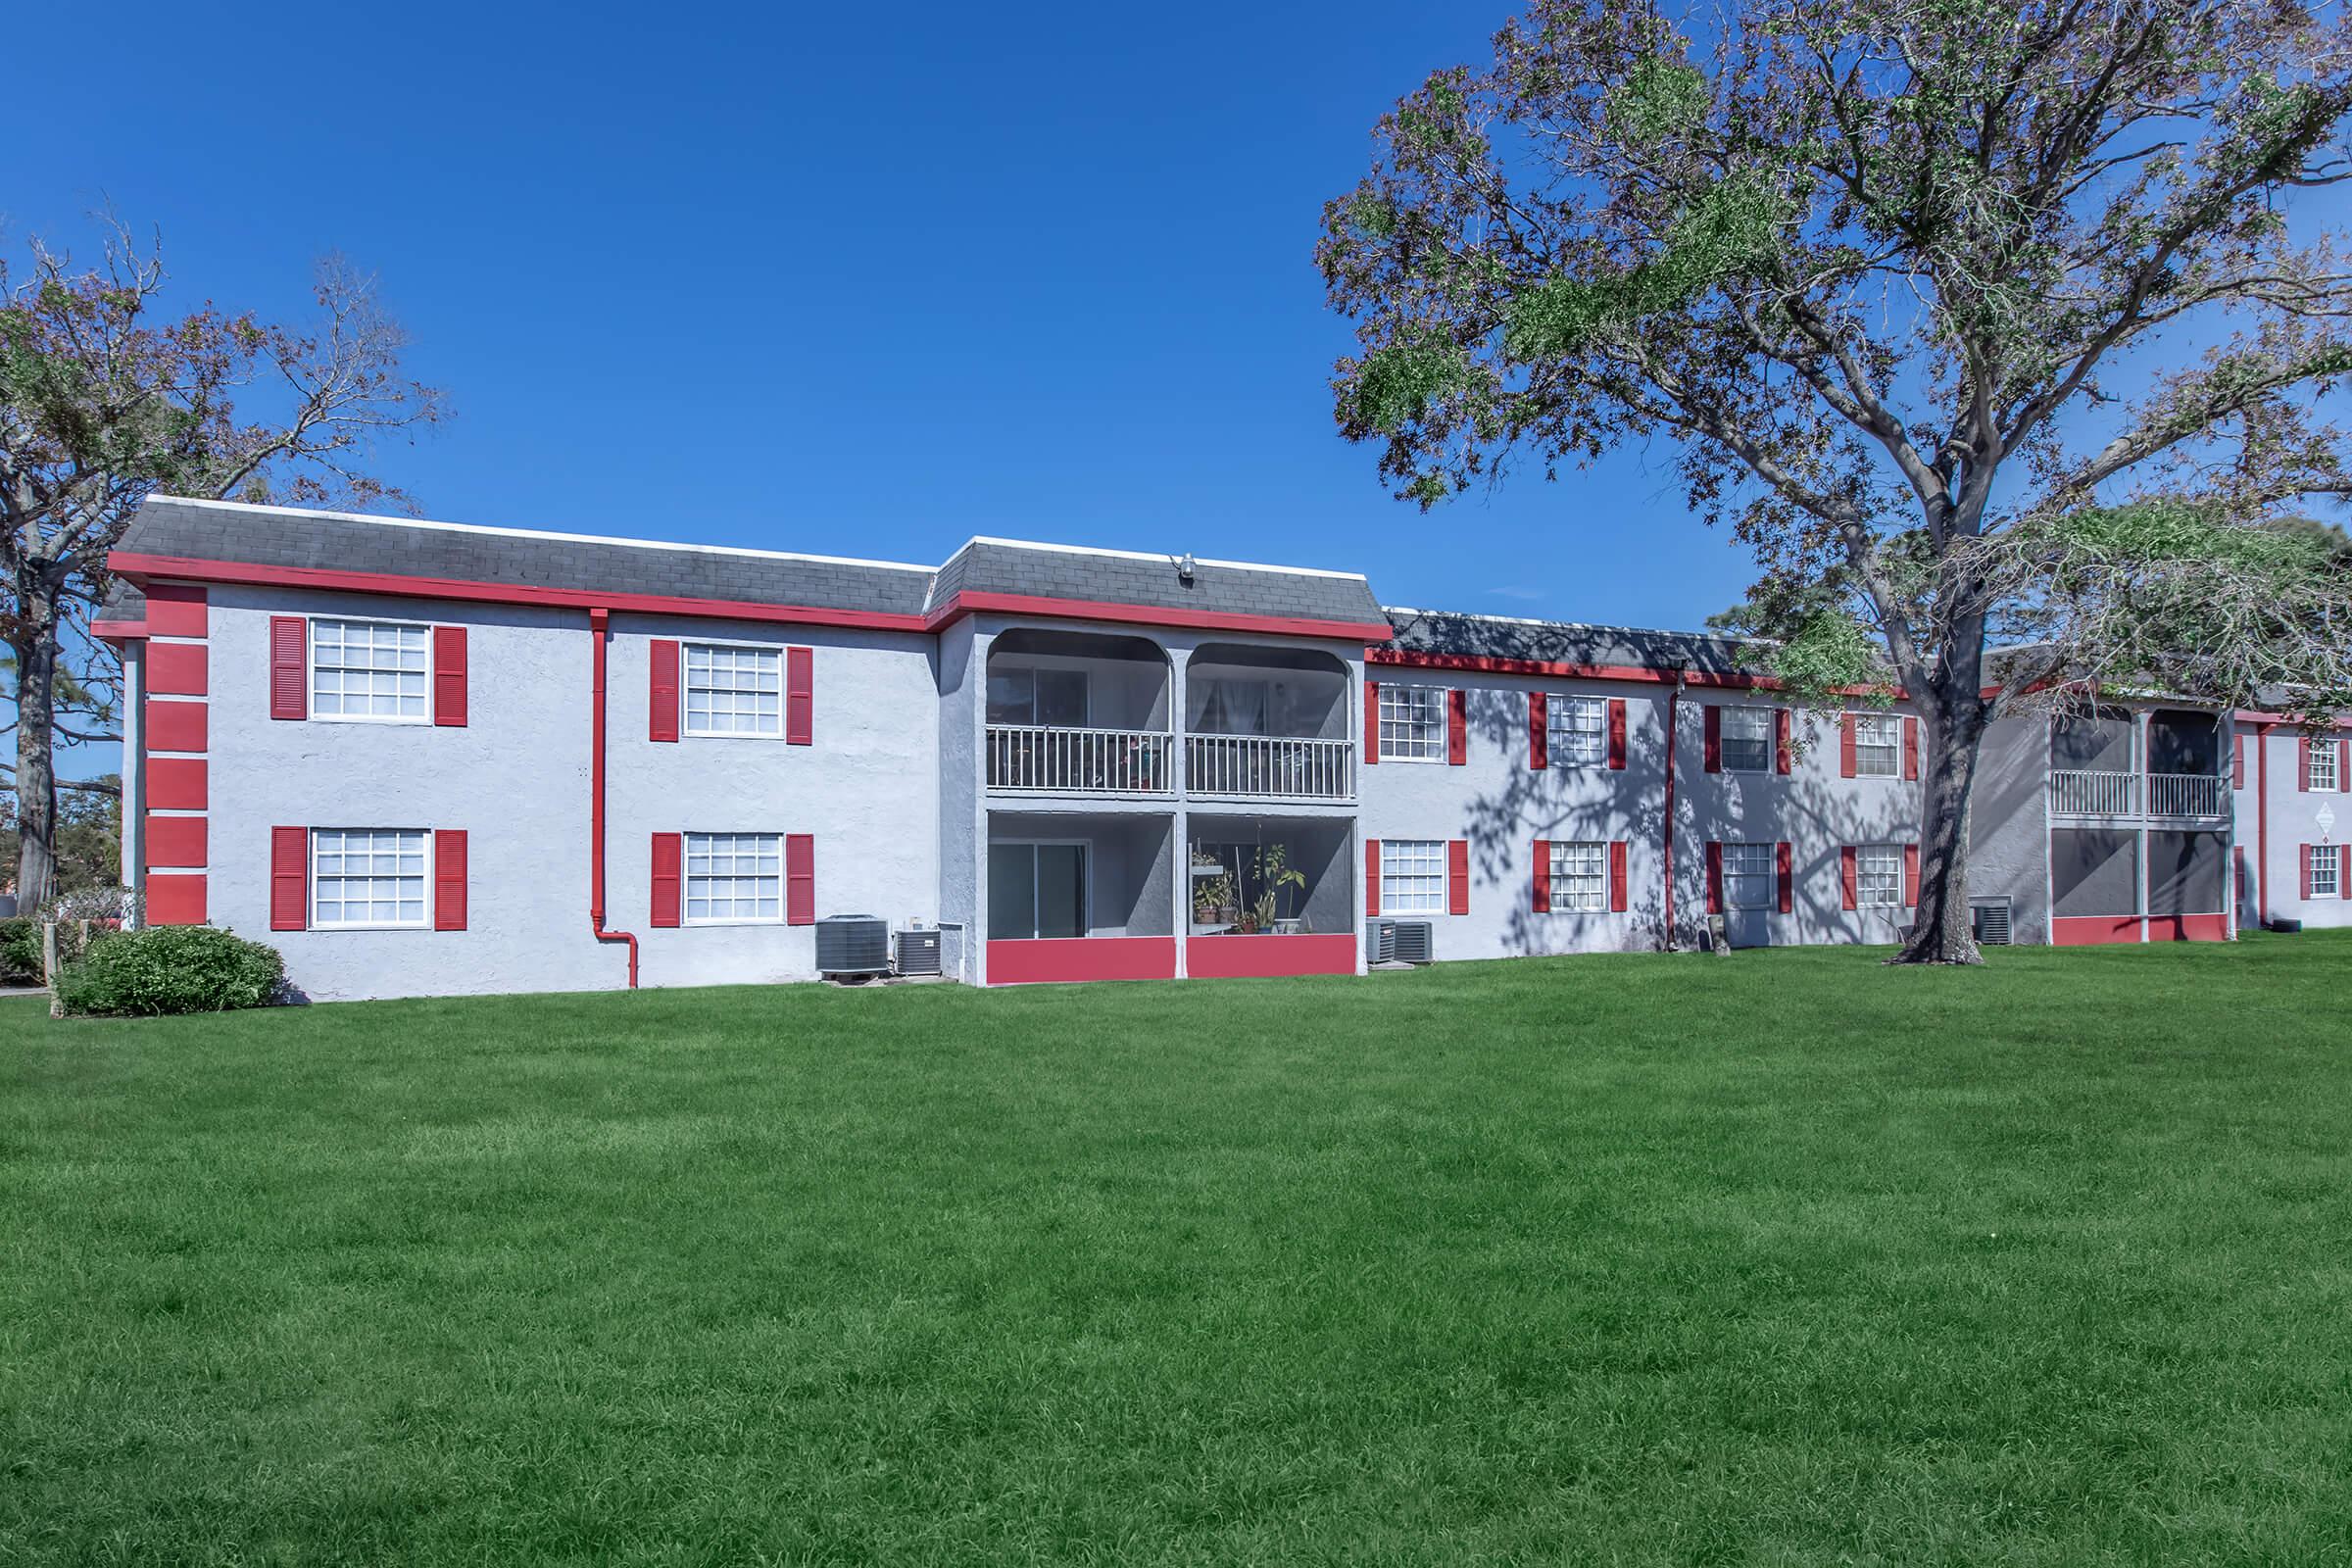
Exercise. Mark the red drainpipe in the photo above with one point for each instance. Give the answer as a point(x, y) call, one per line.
point(1674, 702)
point(596, 802)
point(2262, 825)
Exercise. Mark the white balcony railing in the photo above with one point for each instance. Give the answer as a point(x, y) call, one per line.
point(2082, 792)
point(1269, 768)
point(2187, 795)
point(1053, 760)
point(2078, 792)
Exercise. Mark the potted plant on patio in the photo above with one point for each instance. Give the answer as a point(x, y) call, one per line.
point(1275, 875)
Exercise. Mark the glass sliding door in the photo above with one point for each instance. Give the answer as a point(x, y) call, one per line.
point(1036, 890)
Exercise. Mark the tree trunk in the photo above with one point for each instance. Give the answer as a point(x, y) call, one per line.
point(1953, 712)
point(36, 764)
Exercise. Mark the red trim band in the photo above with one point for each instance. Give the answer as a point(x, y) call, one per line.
point(973, 603)
point(1658, 675)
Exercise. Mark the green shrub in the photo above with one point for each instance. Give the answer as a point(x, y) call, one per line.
point(167, 969)
point(21, 951)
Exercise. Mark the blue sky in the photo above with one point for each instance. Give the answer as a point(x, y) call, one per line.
point(841, 279)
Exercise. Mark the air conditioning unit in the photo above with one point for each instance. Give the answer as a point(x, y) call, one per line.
point(1414, 942)
point(852, 945)
point(915, 951)
point(1380, 942)
point(1989, 918)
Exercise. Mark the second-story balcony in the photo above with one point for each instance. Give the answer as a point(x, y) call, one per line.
point(1269, 768)
point(1267, 724)
point(2160, 767)
point(1058, 760)
point(2099, 792)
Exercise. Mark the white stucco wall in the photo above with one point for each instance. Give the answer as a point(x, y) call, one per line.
point(2272, 838)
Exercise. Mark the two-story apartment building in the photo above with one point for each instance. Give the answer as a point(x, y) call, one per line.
point(426, 757)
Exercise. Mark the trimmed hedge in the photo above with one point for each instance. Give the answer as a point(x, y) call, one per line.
point(169, 969)
point(21, 951)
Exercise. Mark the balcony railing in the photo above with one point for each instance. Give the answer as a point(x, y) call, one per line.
point(2082, 791)
point(1053, 760)
point(2187, 795)
point(1269, 768)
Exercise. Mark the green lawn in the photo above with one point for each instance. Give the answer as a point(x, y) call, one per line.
point(1786, 1258)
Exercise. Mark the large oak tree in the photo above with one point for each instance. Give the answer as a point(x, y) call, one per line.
point(1984, 323)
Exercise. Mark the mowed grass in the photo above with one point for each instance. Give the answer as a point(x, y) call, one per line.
point(1786, 1258)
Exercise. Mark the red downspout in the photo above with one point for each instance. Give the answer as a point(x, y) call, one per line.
point(1674, 702)
point(2262, 825)
point(596, 803)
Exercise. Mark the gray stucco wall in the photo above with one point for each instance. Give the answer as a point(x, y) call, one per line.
point(2009, 825)
point(2293, 819)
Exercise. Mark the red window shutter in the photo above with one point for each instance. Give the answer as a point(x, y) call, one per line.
point(668, 851)
point(1371, 727)
point(1538, 730)
point(1617, 877)
point(800, 696)
point(1543, 862)
point(2303, 769)
point(1911, 749)
point(1457, 726)
point(289, 876)
point(2238, 761)
point(800, 879)
point(1847, 766)
point(661, 723)
point(289, 692)
point(449, 879)
point(1457, 876)
point(1910, 876)
point(1371, 876)
point(1713, 752)
point(1714, 877)
point(449, 679)
point(1782, 754)
point(2343, 766)
point(1617, 734)
point(2303, 864)
point(2343, 871)
point(1785, 862)
point(1849, 876)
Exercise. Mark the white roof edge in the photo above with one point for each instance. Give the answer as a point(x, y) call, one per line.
point(1161, 557)
point(1578, 625)
point(544, 533)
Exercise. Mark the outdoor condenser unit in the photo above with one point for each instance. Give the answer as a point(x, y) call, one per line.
point(1380, 942)
point(852, 945)
point(915, 951)
point(1413, 942)
point(1989, 919)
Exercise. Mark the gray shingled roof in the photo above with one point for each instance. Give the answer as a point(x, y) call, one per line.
point(275, 536)
point(124, 602)
point(1002, 566)
point(1439, 631)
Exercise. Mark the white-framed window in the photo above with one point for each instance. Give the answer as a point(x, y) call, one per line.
point(370, 669)
point(732, 877)
point(2320, 864)
point(368, 878)
point(1750, 879)
point(734, 691)
point(1580, 877)
point(1878, 745)
point(1579, 730)
point(1412, 875)
point(1748, 740)
point(2323, 774)
point(1412, 723)
point(1879, 876)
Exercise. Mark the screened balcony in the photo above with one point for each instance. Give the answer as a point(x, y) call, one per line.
point(1267, 723)
point(1077, 713)
point(2108, 764)
point(1074, 896)
point(1269, 896)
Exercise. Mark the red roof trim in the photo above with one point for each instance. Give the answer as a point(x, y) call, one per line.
point(971, 604)
point(138, 567)
point(117, 630)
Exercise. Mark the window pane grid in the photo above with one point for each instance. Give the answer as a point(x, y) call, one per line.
point(367, 876)
point(734, 691)
point(1879, 876)
point(1580, 877)
point(1749, 879)
point(734, 876)
point(1579, 730)
point(1748, 740)
point(2321, 862)
point(1878, 745)
point(2323, 765)
point(366, 669)
point(1412, 723)
point(1412, 876)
